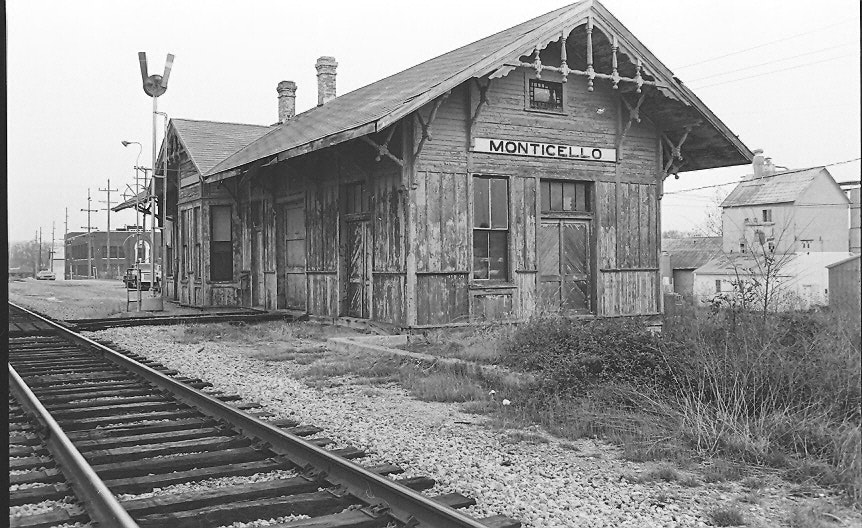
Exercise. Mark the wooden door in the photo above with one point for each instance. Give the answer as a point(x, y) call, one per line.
point(294, 256)
point(257, 293)
point(356, 268)
point(565, 278)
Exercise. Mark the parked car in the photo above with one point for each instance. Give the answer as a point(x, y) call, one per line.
point(146, 272)
point(46, 275)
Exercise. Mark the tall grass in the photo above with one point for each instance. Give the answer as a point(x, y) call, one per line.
point(782, 390)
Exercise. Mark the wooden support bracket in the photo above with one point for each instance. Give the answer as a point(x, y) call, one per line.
point(483, 100)
point(383, 148)
point(426, 126)
point(634, 115)
point(675, 152)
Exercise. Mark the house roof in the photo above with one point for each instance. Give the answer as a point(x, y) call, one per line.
point(743, 263)
point(781, 187)
point(209, 142)
point(380, 104)
point(690, 252)
point(844, 261)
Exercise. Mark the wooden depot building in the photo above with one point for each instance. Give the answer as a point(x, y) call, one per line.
point(519, 174)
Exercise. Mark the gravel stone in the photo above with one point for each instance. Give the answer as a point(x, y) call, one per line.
point(554, 483)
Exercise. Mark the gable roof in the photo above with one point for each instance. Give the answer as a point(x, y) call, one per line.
point(209, 142)
point(380, 104)
point(690, 252)
point(782, 187)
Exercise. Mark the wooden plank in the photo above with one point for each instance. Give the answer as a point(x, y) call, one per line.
point(138, 468)
point(624, 227)
point(105, 456)
point(345, 519)
point(645, 212)
point(420, 243)
point(311, 504)
point(146, 483)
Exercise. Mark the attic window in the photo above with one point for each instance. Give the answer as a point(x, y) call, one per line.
point(546, 95)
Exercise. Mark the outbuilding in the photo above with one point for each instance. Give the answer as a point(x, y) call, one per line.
point(516, 175)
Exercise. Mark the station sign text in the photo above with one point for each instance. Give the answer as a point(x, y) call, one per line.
point(543, 150)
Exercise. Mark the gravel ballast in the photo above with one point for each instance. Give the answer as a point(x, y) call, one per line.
point(544, 483)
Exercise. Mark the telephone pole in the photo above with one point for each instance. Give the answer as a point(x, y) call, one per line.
point(67, 273)
point(40, 248)
point(89, 236)
point(51, 250)
point(108, 208)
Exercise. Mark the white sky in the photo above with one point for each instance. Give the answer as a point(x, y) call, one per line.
point(74, 87)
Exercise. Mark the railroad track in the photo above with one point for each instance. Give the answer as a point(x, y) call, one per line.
point(106, 436)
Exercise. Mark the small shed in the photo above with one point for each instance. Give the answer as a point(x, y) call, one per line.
point(686, 255)
point(845, 283)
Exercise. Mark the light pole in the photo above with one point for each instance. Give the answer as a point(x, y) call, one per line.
point(154, 86)
point(137, 192)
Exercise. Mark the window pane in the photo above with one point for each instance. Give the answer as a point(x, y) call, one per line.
point(546, 196)
point(583, 197)
point(480, 254)
point(221, 261)
point(220, 216)
point(568, 196)
point(556, 196)
point(499, 203)
point(481, 202)
point(498, 254)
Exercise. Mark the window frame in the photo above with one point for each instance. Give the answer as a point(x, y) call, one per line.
point(221, 247)
point(529, 95)
point(507, 272)
point(589, 195)
point(766, 214)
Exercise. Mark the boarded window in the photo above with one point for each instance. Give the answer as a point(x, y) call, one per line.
point(546, 95)
point(490, 228)
point(354, 198)
point(196, 230)
point(221, 243)
point(565, 197)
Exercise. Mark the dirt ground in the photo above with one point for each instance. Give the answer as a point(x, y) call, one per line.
point(87, 299)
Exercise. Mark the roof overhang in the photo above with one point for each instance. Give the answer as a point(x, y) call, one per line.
point(671, 106)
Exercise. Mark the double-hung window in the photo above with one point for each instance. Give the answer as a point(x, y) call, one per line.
point(490, 228)
point(221, 243)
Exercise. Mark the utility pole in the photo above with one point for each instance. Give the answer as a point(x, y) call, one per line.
point(40, 248)
point(51, 250)
point(89, 236)
point(36, 257)
point(108, 208)
point(67, 273)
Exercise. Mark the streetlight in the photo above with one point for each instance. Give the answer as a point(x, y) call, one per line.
point(154, 86)
point(137, 214)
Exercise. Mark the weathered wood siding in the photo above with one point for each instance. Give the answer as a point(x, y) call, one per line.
point(624, 208)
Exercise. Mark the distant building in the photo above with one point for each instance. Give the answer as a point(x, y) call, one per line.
point(683, 256)
point(845, 285)
point(855, 222)
point(793, 211)
point(127, 247)
point(781, 229)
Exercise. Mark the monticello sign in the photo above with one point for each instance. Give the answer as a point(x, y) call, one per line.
point(543, 150)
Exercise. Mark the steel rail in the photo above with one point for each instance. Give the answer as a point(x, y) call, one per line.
point(101, 505)
point(381, 494)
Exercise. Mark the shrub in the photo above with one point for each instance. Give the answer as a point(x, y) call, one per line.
point(572, 356)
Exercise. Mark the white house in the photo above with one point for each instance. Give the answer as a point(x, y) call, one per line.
point(779, 229)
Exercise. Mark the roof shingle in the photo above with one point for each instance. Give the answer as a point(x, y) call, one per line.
point(782, 187)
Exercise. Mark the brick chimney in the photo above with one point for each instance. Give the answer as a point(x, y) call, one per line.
point(286, 101)
point(325, 79)
point(768, 167)
point(757, 164)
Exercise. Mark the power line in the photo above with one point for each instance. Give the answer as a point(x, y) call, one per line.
point(761, 178)
point(762, 45)
point(770, 62)
point(776, 71)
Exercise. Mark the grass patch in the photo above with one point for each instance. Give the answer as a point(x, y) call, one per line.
point(781, 390)
point(480, 344)
point(727, 516)
point(814, 516)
